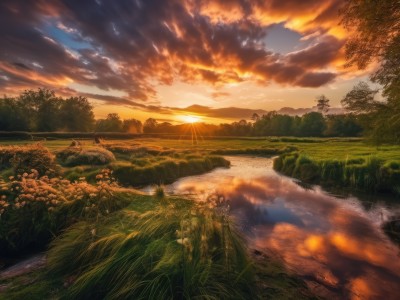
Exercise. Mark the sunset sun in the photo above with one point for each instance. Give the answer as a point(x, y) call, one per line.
point(191, 119)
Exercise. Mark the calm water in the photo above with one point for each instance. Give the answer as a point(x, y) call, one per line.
point(335, 244)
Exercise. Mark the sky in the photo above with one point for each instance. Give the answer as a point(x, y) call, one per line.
point(221, 60)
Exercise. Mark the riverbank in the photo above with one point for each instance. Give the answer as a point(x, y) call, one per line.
point(367, 174)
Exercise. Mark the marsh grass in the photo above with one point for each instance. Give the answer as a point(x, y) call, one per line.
point(175, 251)
point(368, 173)
point(163, 170)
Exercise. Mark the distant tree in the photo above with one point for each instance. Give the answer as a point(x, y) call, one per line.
point(12, 116)
point(76, 114)
point(132, 126)
point(322, 104)
point(112, 123)
point(255, 117)
point(31, 102)
point(48, 115)
point(346, 125)
point(312, 124)
point(150, 125)
point(164, 127)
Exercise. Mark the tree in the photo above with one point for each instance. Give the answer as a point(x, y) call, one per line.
point(374, 28)
point(35, 107)
point(112, 123)
point(76, 114)
point(312, 124)
point(323, 104)
point(132, 126)
point(12, 116)
point(255, 117)
point(48, 115)
point(377, 118)
point(150, 125)
point(361, 99)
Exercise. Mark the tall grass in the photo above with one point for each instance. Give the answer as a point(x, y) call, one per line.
point(76, 156)
point(165, 171)
point(177, 251)
point(367, 174)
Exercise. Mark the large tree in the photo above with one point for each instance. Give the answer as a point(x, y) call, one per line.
point(77, 114)
point(374, 27)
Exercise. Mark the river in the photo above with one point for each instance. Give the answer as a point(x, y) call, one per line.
point(334, 243)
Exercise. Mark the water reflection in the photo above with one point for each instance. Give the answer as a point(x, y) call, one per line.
point(335, 244)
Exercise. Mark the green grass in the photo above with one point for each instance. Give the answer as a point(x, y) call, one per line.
point(156, 248)
point(368, 173)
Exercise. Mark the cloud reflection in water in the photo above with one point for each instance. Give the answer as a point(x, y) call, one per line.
point(328, 240)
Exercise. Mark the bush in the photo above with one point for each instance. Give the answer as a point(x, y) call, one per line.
point(33, 209)
point(22, 159)
point(75, 156)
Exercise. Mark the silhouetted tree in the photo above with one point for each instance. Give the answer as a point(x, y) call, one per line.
point(150, 125)
point(255, 117)
point(11, 116)
point(112, 123)
point(76, 114)
point(132, 126)
point(323, 104)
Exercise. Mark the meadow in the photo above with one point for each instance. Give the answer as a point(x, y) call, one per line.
point(78, 201)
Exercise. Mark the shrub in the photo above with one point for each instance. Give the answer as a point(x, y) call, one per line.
point(33, 209)
point(75, 156)
point(23, 159)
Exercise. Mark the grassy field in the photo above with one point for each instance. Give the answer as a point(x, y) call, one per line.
point(317, 148)
point(109, 240)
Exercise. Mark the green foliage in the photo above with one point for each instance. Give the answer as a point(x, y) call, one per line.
point(141, 172)
point(112, 123)
point(375, 36)
point(42, 110)
point(34, 209)
point(174, 251)
point(369, 174)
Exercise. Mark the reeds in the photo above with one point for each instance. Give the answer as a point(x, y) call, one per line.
point(167, 170)
point(177, 251)
point(367, 174)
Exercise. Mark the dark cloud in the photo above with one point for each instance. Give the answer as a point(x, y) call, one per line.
point(317, 56)
point(130, 46)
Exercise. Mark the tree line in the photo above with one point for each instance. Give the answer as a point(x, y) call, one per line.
point(42, 110)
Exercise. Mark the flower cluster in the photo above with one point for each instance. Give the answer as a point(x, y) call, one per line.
point(30, 190)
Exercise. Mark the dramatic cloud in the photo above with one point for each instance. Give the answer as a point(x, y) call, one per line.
point(130, 46)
